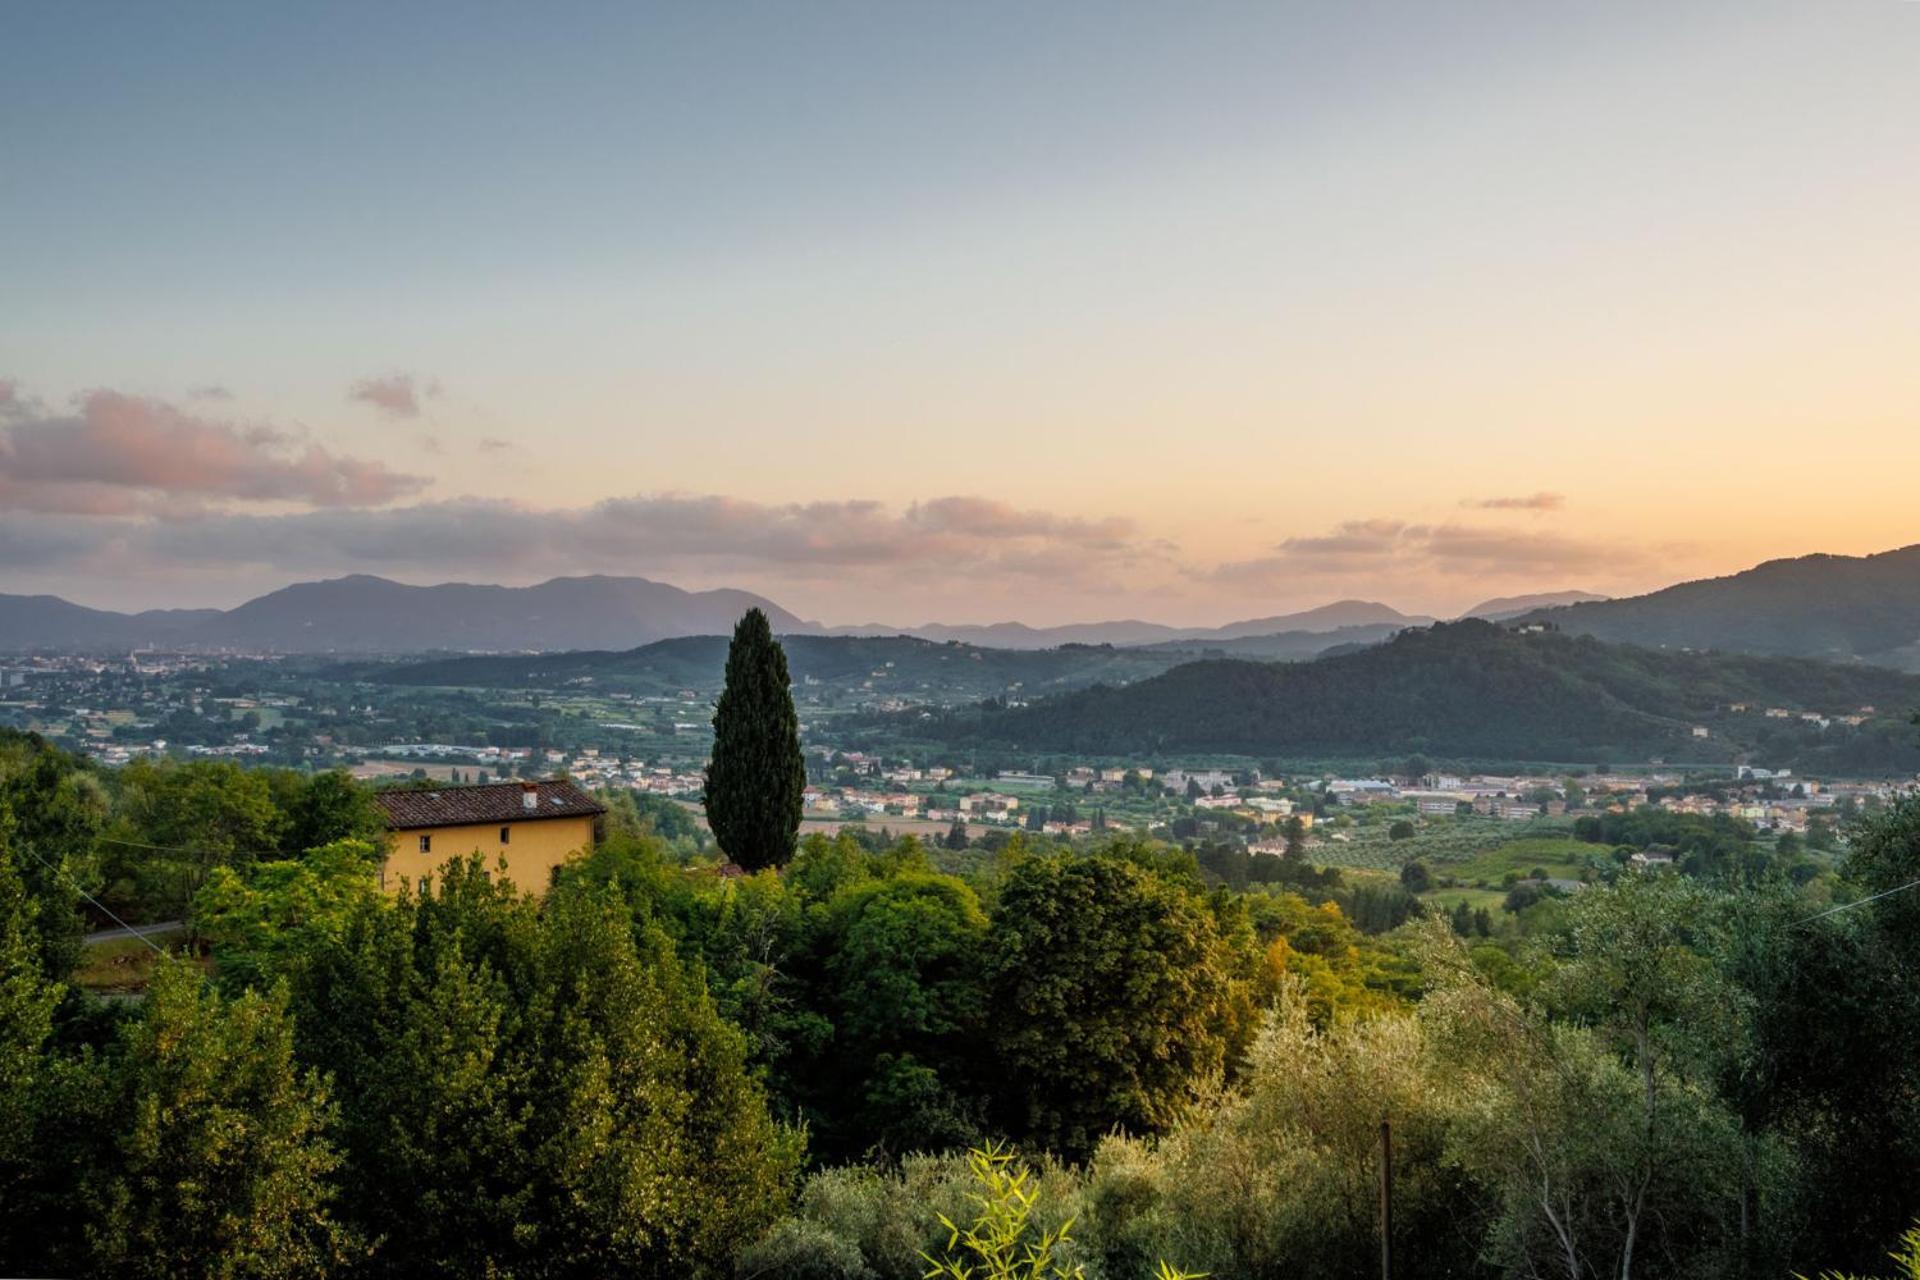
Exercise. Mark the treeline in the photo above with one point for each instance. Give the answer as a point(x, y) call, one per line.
point(1662, 1078)
point(458, 1082)
point(144, 839)
point(665, 1068)
point(893, 1008)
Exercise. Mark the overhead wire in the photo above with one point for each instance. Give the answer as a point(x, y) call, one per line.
point(102, 907)
point(268, 854)
point(1859, 902)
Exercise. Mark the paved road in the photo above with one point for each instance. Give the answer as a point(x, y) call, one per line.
point(140, 930)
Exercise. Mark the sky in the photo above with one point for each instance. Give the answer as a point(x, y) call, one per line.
point(905, 312)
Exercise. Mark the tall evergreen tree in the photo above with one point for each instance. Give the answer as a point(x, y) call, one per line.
point(757, 775)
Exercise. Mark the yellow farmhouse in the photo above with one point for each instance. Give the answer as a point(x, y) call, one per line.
point(534, 825)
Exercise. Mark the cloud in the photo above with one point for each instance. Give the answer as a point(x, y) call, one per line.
point(398, 394)
point(209, 391)
point(1457, 549)
point(122, 454)
point(1393, 549)
point(989, 518)
point(494, 444)
point(1542, 501)
point(14, 403)
point(1357, 538)
point(43, 542)
point(958, 537)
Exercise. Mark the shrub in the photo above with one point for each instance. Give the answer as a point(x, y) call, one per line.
point(1907, 1256)
point(1000, 1243)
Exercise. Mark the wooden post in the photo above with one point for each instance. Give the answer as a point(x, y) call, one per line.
point(1386, 1201)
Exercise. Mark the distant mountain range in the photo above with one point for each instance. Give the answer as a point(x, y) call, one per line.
point(867, 668)
point(48, 622)
point(366, 614)
point(1843, 608)
point(1338, 616)
point(1477, 690)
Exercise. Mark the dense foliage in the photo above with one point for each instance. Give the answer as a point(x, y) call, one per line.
point(1115, 1000)
point(667, 1067)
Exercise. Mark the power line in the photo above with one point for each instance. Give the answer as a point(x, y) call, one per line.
point(1848, 906)
point(269, 854)
point(75, 886)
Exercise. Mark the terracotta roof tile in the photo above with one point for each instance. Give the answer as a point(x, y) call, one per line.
point(491, 802)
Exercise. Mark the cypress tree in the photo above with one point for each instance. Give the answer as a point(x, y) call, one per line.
point(757, 775)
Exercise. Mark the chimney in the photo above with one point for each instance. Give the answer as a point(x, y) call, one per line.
point(529, 795)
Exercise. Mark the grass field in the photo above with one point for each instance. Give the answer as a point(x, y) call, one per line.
point(122, 966)
point(1558, 856)
point(1442, 844)
point(1446, 900)
point(1479, 880)
point(1475, 854)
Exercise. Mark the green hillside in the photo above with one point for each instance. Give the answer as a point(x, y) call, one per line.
point(1820, 606)
point(1474, 689)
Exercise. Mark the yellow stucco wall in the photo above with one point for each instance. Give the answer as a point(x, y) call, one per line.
point(533, 850)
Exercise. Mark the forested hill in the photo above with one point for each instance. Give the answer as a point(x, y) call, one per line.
point(921, 671)
point(1477, 690)
point(1820, 606)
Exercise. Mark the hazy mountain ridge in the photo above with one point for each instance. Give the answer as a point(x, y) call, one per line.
point(1287, 646)
point(366, 614)
point(1844, 608)
point(1339, 615)
point(1500, 608)
point(42, 621)
point(372, 614)
point(362, 613)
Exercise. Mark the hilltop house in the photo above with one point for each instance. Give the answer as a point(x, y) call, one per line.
point(533, 826)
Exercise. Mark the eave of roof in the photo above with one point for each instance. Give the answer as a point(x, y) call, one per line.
point(529, 816)
point(487, 804)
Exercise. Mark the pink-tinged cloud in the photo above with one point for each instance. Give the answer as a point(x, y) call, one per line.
point(988, 517)
point(1353, 538)
point(15, 404)
point(398, 394)
point(121, 454)
point(1378, 547)
point(1541, 501)
point(961, 539)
